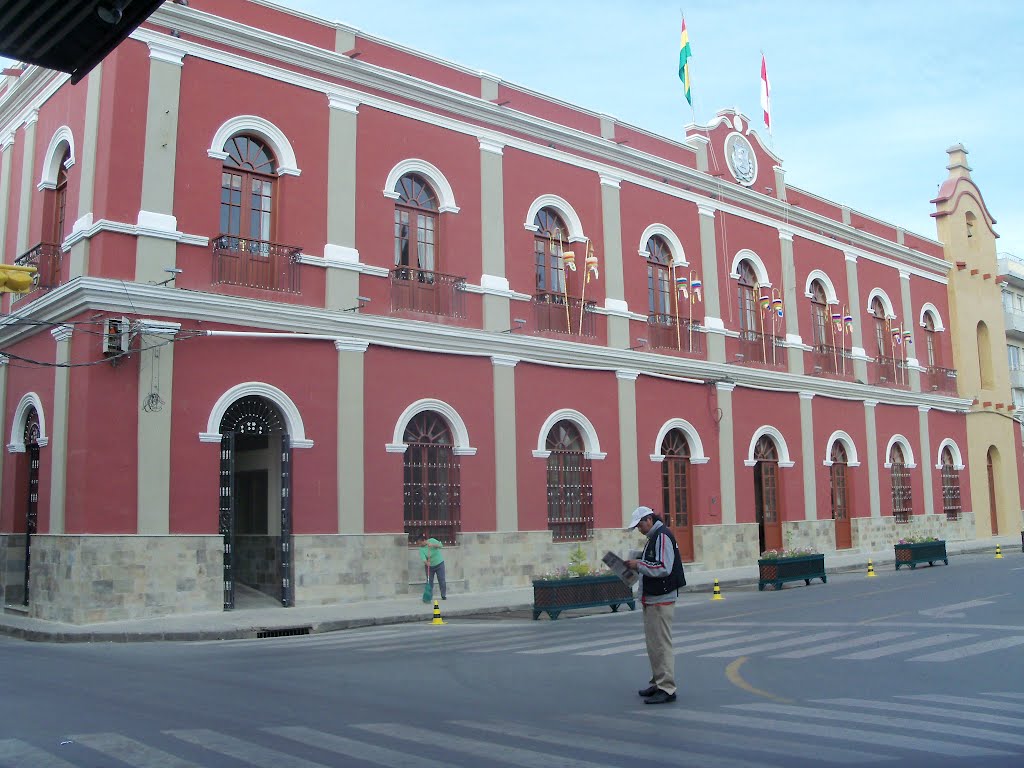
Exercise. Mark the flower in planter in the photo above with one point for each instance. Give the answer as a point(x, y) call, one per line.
point(916, 539)
point(578, 566)
point(778, 554)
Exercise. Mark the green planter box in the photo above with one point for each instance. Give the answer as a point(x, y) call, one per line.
point(924, 552)
point(778, 571)
point(556, 595)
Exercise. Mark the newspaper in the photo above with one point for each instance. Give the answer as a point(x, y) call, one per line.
point(618, 567)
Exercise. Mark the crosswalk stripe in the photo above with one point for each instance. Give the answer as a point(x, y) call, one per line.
point(358, 750)
point(440, 643)
point(244, 751)
point(874, 738)
point(757, 648)
point(947, 729)
point(485, 750)
point(1007, 695)
point(586, 644)
point(717, 644)
point(135, 753)
point(18, 753)
point(613, 747)
point(963, 651)
point(839, 645)
point(909, 645)
point(964, 701)
point(680, 639)
point(790, 749)
point(918, 709)
point(331, 639)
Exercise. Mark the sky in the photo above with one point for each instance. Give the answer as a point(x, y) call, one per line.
point(866, 95)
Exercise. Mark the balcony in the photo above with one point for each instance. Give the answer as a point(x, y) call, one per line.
point(256, 264)
point(554, 313)
point(827, 360)
point(886, 371)
point(421, 290)
point(670, 332)
point(1014, 322)
point(761, 349)
point(46, 258)
point(1017, 378)
point(941, 380)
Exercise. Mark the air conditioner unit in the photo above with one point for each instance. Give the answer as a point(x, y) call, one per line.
point(116, 335)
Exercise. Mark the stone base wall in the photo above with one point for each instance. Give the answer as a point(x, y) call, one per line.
point(725, 546)
point(818, 535)
point(881, 533)
point(256, 563)
point(12, 568)
point(86, 579)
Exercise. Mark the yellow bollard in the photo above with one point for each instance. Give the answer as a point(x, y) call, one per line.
point(437, 614)
point(999, 552)
point(718, 592)
point(871, 569)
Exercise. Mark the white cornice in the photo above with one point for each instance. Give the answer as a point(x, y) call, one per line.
point(169, 54)
point(90, 229)
point(806, 224)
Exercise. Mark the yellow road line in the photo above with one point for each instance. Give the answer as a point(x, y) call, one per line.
point(732, 672)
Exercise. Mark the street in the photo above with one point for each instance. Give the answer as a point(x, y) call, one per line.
point(918, 666)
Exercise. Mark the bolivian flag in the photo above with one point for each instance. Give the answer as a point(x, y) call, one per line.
point(684, 62)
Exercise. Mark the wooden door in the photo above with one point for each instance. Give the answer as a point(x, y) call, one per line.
point(766, 494)
point(992, 494)
point(840, 497)
point(675, 484)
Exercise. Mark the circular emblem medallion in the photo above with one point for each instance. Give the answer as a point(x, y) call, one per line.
point(739, 155)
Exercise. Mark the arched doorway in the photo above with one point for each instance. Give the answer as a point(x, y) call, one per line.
point(27, 488)
point(840, 494)
point(255, 500)
point(569, 490)
point(766, 494)
point(431, 485)
point(992, 465)
point(675, 488)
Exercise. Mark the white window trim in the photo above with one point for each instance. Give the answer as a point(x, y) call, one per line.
point(780, 443)
point(292, 417)
point(851, 449)
point(830, 290)
point(886, 303)
point(760, 272)
point(958, 458)
point(28, 400)
point(568, 213)
point(266, 130)
point(460, 435)
point(443, 190)
point(591, 444)
point(675, 245)
point(697, 455)
point(929, 308)
point(907, 450)
point(54, 154)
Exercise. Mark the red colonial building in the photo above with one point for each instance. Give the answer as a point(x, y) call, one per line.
point(302, 293)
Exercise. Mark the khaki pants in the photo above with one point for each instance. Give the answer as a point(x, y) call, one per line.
point(658, 633)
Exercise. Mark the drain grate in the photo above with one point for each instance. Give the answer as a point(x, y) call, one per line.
point(283, 632)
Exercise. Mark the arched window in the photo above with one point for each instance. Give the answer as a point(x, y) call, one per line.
point(247, 189)
point(819, 315)
point(766, 493)
point(882, 342)
point(431, 484)
point(902, 501)
point(746, 298)
point(60, 201)
point(570, 493)
point(985, 357)
point(840, 494)
point(659, 278)
point(950, 485)
point(416, 223)
point(930, 344)
point(549, 241)
point(675, 487)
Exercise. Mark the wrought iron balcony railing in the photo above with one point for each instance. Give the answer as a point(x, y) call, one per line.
point(940, 380)
point(830, 361)
point(761, 349)
point(421, 290)
point(256, 264)
point(46, 258)
point(554, 313)
point(670, 332)
point(888, 372)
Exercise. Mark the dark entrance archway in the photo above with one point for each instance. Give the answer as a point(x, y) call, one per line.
point(27, 489)
point(255, 500)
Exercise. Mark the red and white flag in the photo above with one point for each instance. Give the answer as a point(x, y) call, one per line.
point(766, 96)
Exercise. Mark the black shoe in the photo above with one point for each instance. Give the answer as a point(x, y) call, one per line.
point(660, 697)
point(649, 691)
point(443, 597)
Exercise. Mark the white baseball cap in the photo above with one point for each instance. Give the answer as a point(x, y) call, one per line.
point(638, 514)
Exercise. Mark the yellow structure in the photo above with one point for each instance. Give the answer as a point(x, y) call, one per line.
point(965, 227)
point(16, 279)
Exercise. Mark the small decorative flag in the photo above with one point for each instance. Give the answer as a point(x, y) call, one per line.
point(837, 322)
point(592, 267)
point(848, 320)
point(697, 290)
point(766, 96)
point(684, 62)
point(777, 303)
point(766, 303)
point(906, 337)
point(570, 260)
point(681, 285)
point(897, 339)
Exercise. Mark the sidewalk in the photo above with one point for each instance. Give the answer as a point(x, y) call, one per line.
point(248, 622)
